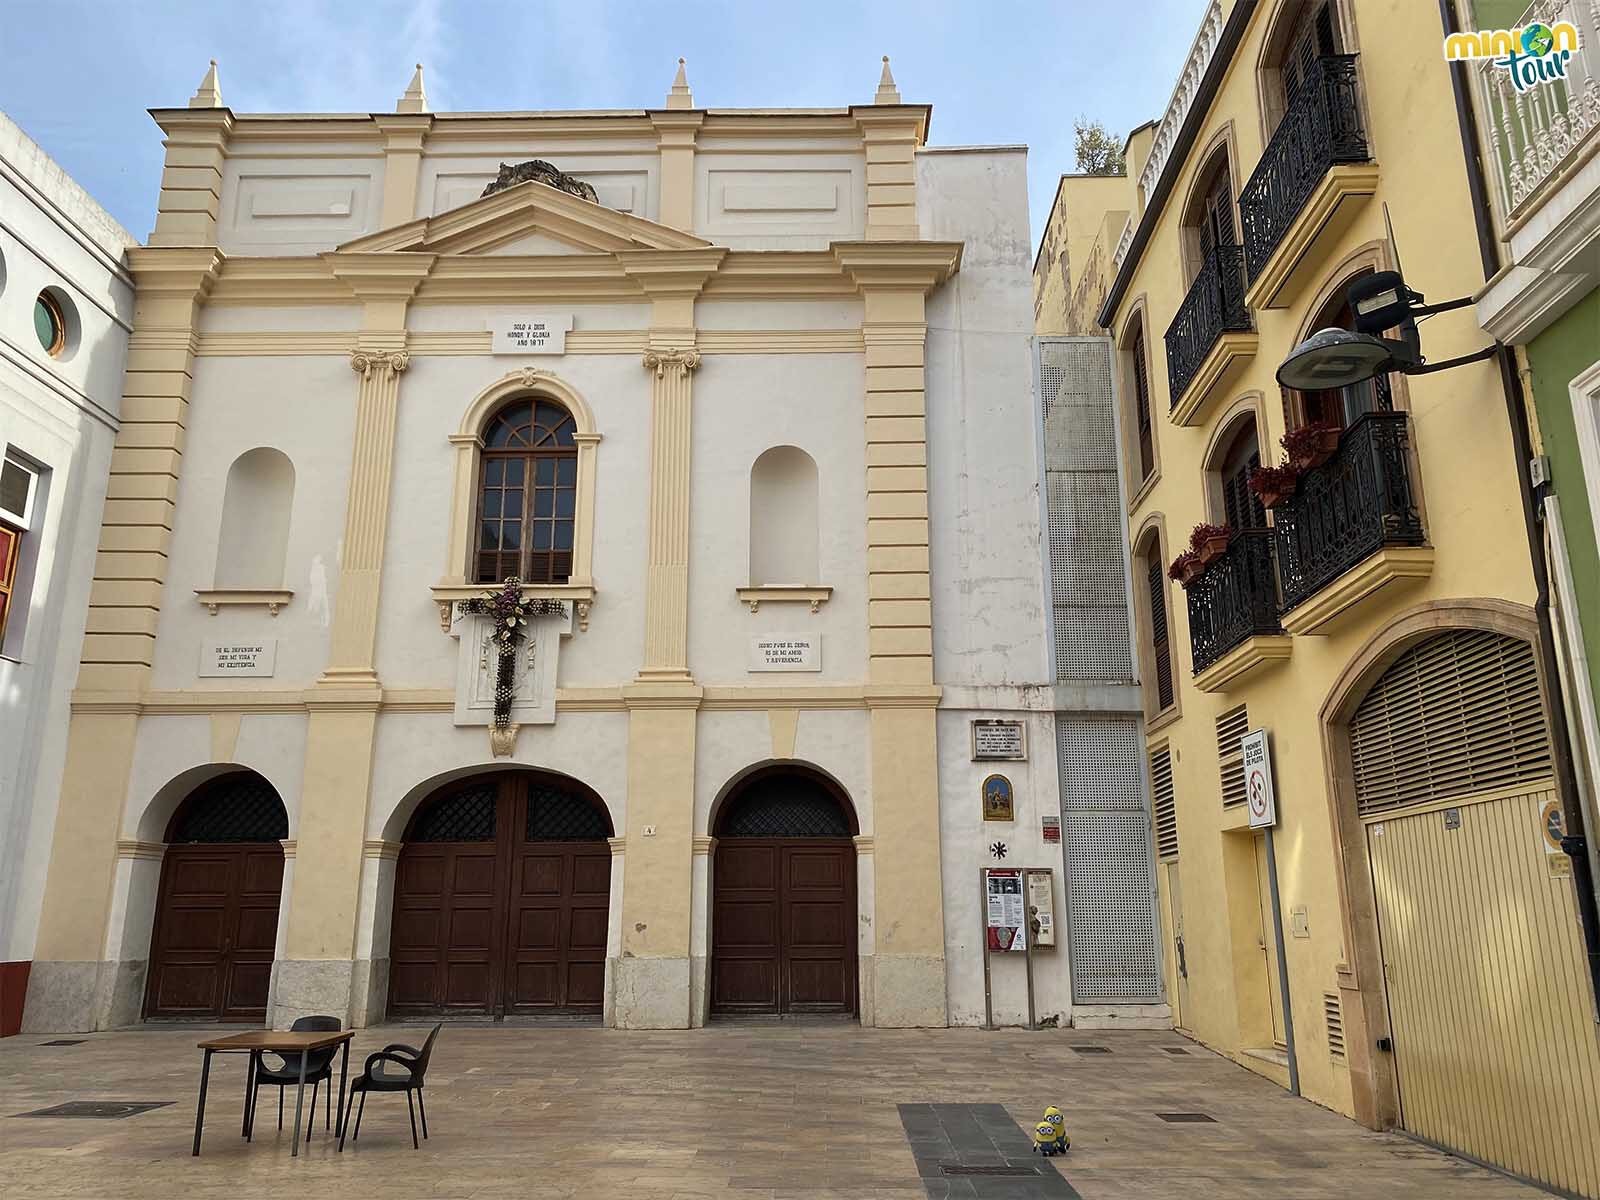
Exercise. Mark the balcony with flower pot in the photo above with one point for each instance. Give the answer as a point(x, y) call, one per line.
point(1211, 339)
point(1234, 631)
point(1351, 528)
point(1313, 179)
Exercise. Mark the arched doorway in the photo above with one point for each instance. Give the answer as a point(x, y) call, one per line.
point(216, 920)
point(501, 900)
point(783, 925)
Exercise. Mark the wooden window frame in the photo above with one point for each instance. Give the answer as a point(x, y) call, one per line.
point(534, 565)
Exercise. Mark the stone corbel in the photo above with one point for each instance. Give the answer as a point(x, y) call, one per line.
point(503, 740)
point(680, 362)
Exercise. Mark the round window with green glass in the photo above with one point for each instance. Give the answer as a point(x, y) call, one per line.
point(49, 324)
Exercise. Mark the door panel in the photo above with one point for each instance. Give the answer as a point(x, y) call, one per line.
point(215, 929)
point(783, 926)
point(1484, 972)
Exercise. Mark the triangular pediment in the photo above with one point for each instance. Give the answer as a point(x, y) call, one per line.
point(531, 212)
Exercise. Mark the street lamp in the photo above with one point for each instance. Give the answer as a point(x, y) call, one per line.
point(1335, 358)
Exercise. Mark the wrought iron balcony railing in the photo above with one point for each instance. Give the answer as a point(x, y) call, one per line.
point(1215, 305)
point(1353, 505)
point(1321, 128)
point(1234, 599)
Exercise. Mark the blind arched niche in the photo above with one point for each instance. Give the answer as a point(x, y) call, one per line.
point(254, 537)
point(783, 518)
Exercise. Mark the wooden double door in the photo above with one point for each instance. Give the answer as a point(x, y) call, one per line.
point(501, 901)
point(784, 927)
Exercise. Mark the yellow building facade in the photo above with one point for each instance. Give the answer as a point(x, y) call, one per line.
point(1376, 618)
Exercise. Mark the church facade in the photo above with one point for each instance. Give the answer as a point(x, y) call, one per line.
point(575, 563)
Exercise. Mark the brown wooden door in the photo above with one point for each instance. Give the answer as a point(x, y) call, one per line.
point(215, 929)
point(501, 902)
point(783, 927)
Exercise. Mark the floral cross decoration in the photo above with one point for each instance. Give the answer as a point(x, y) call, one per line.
point(509, 612)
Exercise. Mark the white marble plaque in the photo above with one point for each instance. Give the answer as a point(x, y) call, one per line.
point(530, 333)
point(786, 652)
point(1003, 740)
point(245, 659)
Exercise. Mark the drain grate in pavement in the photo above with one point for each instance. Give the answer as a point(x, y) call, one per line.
point(103, 1110)
point(1174, 1049)
point(978, 1152)
point(1186, 1118)
point(1092, 1049)
point(64, 1042)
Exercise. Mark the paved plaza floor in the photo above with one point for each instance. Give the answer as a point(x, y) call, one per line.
point(742, 1111)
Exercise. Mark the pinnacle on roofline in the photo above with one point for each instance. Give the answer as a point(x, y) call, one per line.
point(887, 92)
point(415, 99)
point(209, 93)
point(679, 96)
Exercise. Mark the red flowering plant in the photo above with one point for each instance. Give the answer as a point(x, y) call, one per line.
point(508, 611)
point(1311, 445)
point(1209, 541)
point(1185, 567)
point(1274, 484)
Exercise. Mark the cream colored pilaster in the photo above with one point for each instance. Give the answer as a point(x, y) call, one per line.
point(907, 987)
point(119, 642)
point(675, 133)
point(318, 967)
point(403, 136)
point(653, 974)
point(890, 135)
point(700, 931)
point(191, 180)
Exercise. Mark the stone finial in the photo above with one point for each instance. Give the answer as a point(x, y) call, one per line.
point(680, 96)
point(415, 99)
point(887, 92)
point(209, 93)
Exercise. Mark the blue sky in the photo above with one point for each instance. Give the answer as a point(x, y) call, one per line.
point(79, 76)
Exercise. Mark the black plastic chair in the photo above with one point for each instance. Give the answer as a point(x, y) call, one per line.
point(319, 1070)
point(378, 1076)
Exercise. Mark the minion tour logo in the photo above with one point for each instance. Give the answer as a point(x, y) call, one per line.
point(1533, 54)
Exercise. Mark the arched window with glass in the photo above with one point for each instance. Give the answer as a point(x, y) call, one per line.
point(527, 493)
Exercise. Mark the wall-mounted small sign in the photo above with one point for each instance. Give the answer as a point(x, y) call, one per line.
point(1051, 828)
point(529, 333)
point(258, 658)
point(1005, 740)
point(997, 799)
point(786, 652)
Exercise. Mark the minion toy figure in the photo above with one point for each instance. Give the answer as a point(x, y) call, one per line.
point(1050, 1134)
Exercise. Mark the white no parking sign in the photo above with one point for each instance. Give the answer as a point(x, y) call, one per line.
point(1258, 780)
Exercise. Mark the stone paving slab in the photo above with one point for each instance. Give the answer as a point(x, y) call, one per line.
point(752, 1112)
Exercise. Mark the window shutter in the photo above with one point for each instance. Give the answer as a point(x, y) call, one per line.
point(1231, 726)
point(1160, 643)
point(1141, 393)
point(1163, 804)
point(1458, 713)
point(10, 552)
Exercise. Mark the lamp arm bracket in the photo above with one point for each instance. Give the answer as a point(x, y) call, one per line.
point(1427, 310)
point(1475, 356)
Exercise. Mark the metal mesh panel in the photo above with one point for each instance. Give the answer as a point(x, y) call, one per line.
point(1094, 641)
point(242, 807)
point(1110, 900)
point(784, 806)
point(464, 816)
point(1083, 510)
point(556, 815)
point(1100, 764)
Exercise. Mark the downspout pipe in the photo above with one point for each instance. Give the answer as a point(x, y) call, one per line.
point(1575, 843)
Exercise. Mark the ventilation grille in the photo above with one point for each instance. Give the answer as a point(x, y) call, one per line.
point(1334, 1016)
point(1458, 713)
point(241, 807)
point(1162, 804)
point(1231, 726)
point(1099, 764)
point(1083, 510)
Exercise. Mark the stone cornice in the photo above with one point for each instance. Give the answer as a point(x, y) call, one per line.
point(394, 276)
point(671, 272)
point(174, 270)
point(898, 265)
